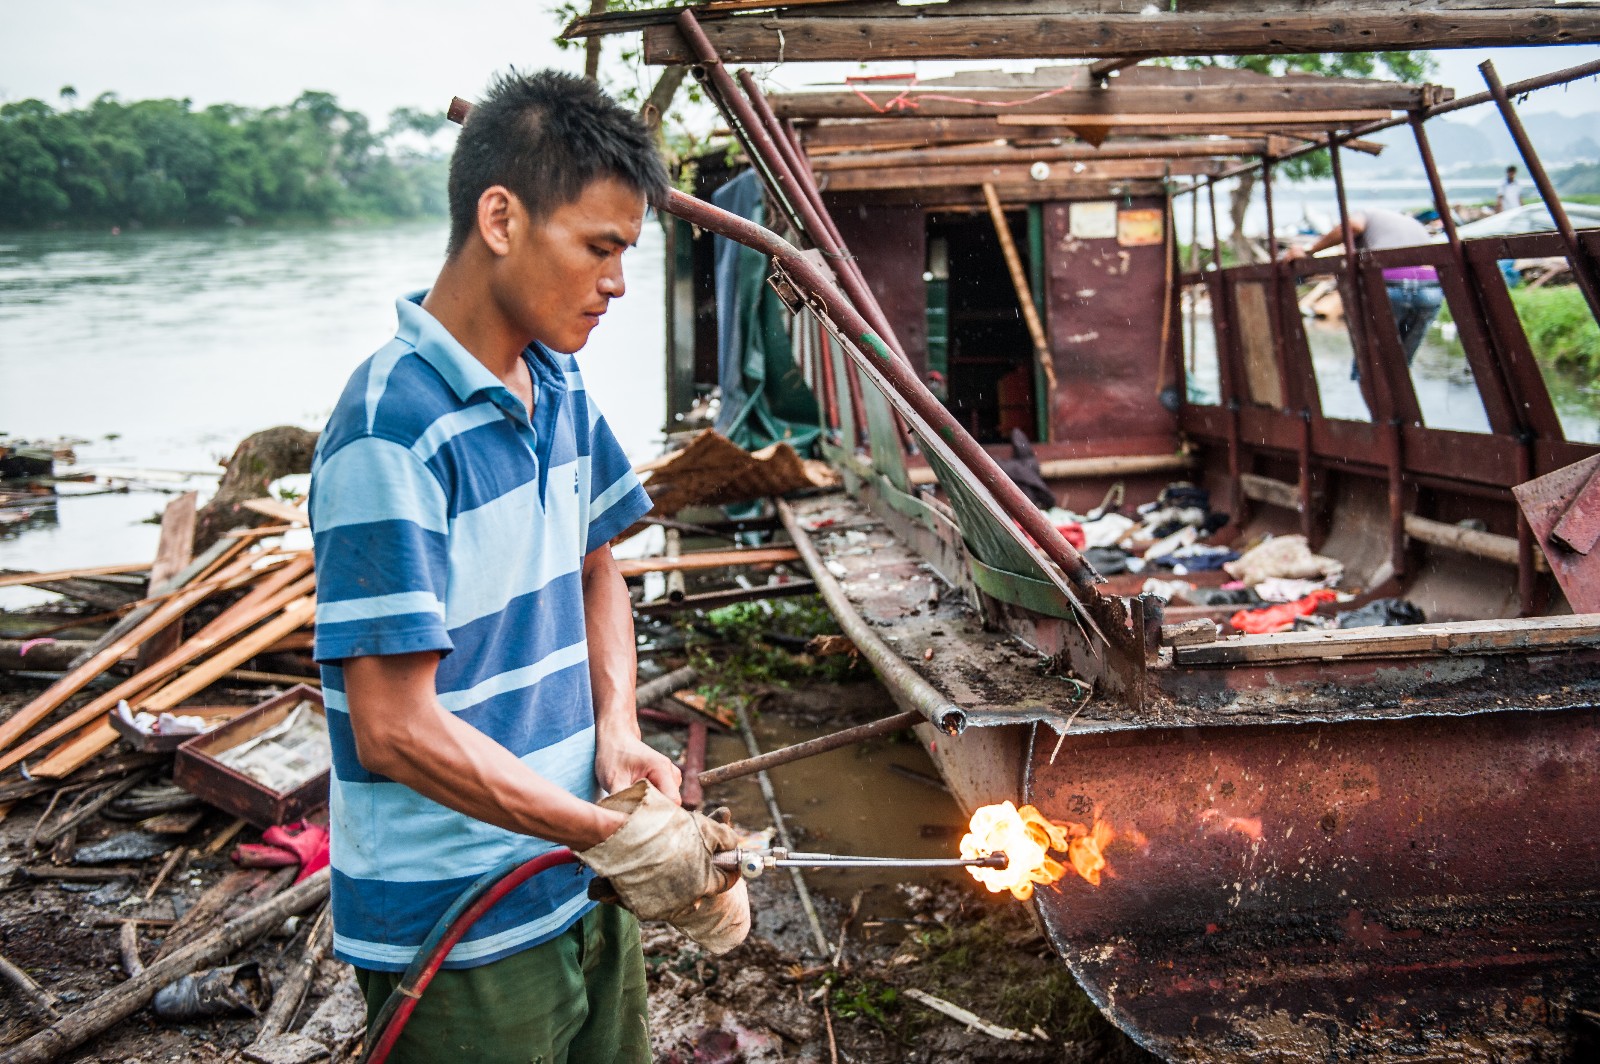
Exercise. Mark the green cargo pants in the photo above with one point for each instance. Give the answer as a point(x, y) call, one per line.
point(577, 999)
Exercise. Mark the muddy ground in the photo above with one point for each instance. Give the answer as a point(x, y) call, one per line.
point(776, 998)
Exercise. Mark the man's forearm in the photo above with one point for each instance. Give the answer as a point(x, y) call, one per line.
point(403, 733)
point(613, 660)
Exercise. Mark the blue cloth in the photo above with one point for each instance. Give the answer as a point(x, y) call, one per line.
point(446, 520)
point(1414, 305)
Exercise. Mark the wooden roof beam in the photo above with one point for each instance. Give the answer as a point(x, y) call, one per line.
point(983, 155)
point(894, 133)
point(1017, 174)
point(1281, 101)
point(782, 37)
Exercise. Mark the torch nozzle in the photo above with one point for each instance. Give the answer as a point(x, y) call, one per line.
point(751, 863)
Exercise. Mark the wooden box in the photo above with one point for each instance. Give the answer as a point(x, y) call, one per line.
point(146, 743)
point(198, 771)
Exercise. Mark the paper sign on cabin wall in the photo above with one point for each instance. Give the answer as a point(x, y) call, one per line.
point(1141, 226)
point(1093, 221)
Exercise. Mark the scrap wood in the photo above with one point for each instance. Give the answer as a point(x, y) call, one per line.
point(194, 574)
point(117, 766)
point(113, 651)
point(174, 550)
point(700, 704)
point(286, 512)
point(128, 946)
point(124, 1000)
point(28, 579)
point(207, 910)
point(707, 559)
point(43, 1002)
point(138, 689)
point(276, 590)
point(712, 470)
point(956, 1012)
point(293, 985)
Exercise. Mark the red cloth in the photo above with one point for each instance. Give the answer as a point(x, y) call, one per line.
point(1281, 617)
point(1072, 532)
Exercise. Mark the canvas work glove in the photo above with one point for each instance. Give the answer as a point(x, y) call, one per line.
point(659, 864)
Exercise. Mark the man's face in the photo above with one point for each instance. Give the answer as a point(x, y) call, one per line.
point(560, 272)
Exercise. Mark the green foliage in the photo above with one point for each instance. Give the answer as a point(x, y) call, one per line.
point(163, 163)
point(745, 655)
point(866, 999)
point(1560, 327)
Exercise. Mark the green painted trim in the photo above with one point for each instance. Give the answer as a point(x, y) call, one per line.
point(1040, 596)
point(877, 345)
point(1036, 280)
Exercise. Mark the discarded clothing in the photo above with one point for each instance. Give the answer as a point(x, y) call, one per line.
point(1283, 556)
point(1167, 589)
point(1285, 589)
point(1106, 532)
point(1218, 596)
point(1107, 561)
point(1196, 559)
point(1184, 537)
point(1072, 532)
point(1023, 469)
point(1281, 617)
point(1383, 613)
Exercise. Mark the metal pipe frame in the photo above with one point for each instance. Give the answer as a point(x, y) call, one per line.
point(937, 428)
point(812, 747)
point(1583, 267)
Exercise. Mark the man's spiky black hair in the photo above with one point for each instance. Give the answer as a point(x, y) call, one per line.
point(546, 136)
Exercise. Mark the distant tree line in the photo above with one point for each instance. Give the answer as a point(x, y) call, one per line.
point(163, 163)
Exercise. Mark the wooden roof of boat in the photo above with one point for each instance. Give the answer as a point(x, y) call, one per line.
point(751, 31)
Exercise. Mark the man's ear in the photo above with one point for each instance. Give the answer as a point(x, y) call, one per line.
point(495, 209)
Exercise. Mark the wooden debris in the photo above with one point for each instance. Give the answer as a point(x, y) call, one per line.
point(174, 550)
point(127, 998)
point(128, 947)
point(961, 1015)
point(707, 559)
point(32, 579)
point(703, 706)
point(40, 999)
point(292, 987)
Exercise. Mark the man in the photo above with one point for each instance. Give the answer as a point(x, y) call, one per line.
point(475, 633)
point(1414, 293)
point(1510, 194)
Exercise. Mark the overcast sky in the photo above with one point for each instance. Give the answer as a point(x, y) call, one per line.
point(376, 56)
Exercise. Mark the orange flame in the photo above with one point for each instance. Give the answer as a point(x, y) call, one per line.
point(1025, 836)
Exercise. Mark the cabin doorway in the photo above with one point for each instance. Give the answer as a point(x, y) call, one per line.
point(977, 340)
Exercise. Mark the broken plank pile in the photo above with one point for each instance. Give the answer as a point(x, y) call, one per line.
point(259, 598)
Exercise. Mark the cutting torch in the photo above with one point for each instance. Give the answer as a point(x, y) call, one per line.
point(752, 862)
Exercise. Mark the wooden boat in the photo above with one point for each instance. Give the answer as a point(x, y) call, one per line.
point(1374, 843)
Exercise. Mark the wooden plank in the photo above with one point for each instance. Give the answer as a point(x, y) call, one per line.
point(809, 39)
point(299, 612)
point(1486, 545)
point(987, 155)
point(1456, 637)
point(708, 559)
point(1269, 104)
point(79, 677)
point(174, 550)
point(30, 579)
point(1341, 119)
point(284, 512)
point(1086, 176)
point(277, 589)
point(74, 753)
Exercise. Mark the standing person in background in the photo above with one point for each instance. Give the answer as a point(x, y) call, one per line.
point(475, 634)
point(1414, 293)
point(1510, 194)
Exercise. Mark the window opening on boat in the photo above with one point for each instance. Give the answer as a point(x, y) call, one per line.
point(1558, 324)
point(989, 373)
point(1201, 368)
point(1322, 301)
point(1441, 376)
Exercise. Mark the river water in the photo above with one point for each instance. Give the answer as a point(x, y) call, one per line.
point(163, 349)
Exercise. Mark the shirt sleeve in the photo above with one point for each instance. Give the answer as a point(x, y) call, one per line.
point(616, 497)
point(380, 522)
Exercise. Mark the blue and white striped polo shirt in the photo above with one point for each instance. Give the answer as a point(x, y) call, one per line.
point(446, 520)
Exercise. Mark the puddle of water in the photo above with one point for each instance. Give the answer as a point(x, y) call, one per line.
point(849, 801)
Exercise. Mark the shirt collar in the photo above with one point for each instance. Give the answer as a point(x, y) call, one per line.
point(466, 375)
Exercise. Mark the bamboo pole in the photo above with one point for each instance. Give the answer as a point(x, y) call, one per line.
point(1030, 313)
